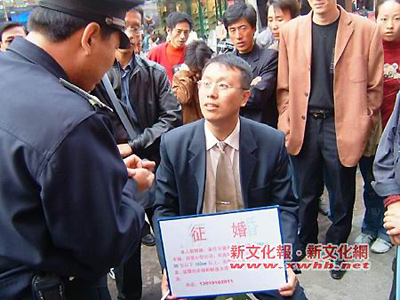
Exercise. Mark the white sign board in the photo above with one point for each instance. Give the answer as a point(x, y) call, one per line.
point(225, 253)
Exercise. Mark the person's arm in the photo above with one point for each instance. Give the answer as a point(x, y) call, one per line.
point(386, 157)
point(391, 222)
point(169, 115)
point(375, 76)
point(282, 90)
point(282, 195)
point(263, 88)
point(166, 202)
point(386, 165)
point(88, 200)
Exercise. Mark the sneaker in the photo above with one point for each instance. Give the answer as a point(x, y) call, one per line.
point(111, 273)
point(364, 238)
point(380, 246)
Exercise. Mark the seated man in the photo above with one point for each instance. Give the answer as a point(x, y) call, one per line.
point(188, 178)
point(151, 111)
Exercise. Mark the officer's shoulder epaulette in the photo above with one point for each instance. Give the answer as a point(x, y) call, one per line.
point(93, 100)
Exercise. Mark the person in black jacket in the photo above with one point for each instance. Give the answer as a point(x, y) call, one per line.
point(240, 20)
point(145, 93)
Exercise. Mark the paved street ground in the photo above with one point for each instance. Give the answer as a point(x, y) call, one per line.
point(373, 284)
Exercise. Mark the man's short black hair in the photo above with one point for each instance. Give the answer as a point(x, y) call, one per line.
point(140, 11)
point(240, 10)
point(178, 17)
point(232, 61)
point(9, 25)
point(197, 53)
point(58, 26)
point(292, 6)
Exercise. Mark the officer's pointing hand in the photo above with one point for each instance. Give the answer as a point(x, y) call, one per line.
point(133, 161)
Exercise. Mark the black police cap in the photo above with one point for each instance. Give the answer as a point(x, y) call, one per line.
point(106, 12)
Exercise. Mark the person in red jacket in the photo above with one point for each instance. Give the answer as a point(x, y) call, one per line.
point(171, 54)
point(388, 18)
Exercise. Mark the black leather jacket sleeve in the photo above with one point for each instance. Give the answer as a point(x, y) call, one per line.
point(162, 114)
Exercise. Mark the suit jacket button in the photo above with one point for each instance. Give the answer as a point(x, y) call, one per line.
point(306, 94)
point(303, 117)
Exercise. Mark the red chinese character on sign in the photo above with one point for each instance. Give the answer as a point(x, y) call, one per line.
point(287, 251)
point(345, 252)
point(253, 251)
point(330, 251)
point(237, 252)
point(360, 251)
point(313, 251)
point(267, 252)
point(198, 233)
point(279, 251)
point(239, 229)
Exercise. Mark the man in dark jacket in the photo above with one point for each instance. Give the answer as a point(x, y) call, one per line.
point(240, 20)
point(145, 93)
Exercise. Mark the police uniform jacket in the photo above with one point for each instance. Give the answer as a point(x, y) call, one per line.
point(65, 199)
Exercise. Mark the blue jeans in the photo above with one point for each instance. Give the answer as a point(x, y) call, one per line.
point(374, 208)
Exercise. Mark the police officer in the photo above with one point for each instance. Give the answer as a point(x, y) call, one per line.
point(67, 209)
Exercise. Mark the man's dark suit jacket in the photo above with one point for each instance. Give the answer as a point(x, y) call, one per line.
point(264, 174)
point(261, 106)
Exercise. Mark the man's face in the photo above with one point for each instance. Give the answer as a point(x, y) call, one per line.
point(9, 35)
point(133, 25)
point(179, 34)
point(389, 21)
point(221, 94)
point(276, 19)
point(241, 34)
point(323, 7)
point(100, 60)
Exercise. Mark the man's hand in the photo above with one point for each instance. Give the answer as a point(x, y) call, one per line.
point(256, 80)
point(287, 289)
point(124, 150)
point(140, 171)
point(165, 288)
point(391, 222)
point(143, 177)
point(133, 161)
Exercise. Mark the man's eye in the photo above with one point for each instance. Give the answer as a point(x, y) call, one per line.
point(223, 86)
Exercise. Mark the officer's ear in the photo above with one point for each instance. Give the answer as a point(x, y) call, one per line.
point(91, 32)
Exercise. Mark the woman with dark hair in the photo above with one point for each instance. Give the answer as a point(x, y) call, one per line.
point(184, 83)
point(279, 13)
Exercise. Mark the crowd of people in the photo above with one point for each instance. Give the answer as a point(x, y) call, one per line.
point(96, 136)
